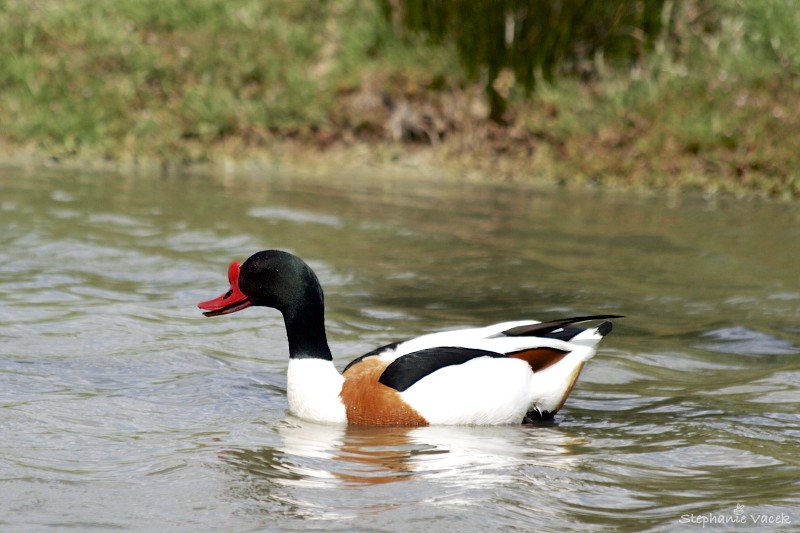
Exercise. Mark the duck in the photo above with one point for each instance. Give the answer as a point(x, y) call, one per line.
point(507, 373)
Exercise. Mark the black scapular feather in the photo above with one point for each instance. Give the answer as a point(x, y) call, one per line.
point(408, 369)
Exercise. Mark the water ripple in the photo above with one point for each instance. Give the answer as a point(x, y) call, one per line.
point(744, 341)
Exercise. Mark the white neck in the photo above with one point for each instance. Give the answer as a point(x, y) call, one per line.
point(313, 388)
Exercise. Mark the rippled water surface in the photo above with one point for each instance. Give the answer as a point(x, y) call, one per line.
point(121, 407)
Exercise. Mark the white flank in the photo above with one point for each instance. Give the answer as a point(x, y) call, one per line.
point(482, 391)
point(313, 387)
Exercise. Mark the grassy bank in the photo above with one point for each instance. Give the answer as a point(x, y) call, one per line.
point(713, 107)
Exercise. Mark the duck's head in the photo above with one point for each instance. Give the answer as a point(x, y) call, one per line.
point(271, 278)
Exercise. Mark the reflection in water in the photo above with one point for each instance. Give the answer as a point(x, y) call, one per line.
point(436, 465)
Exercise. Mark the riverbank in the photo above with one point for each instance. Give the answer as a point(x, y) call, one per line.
point(328, 87)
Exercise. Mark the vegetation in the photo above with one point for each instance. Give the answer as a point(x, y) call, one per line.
point(532, 37)
point(711, 103)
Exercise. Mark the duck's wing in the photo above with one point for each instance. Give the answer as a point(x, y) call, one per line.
point(541, 344)
point(492, 338)
point(456, 337)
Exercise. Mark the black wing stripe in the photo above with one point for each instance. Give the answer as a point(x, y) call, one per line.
point(562, 334)
point(403, 372)
point(542, 329)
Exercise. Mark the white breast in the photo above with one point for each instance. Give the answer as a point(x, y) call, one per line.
point(313, 387)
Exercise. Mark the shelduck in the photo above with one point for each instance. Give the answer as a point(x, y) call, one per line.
point(506, 373)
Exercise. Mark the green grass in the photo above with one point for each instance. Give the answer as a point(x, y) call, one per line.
point(89, 73)
point(714, 106)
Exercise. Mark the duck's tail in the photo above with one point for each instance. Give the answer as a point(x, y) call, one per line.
point(552, 385)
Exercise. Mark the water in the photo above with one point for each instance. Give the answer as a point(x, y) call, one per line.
point(121, 407)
